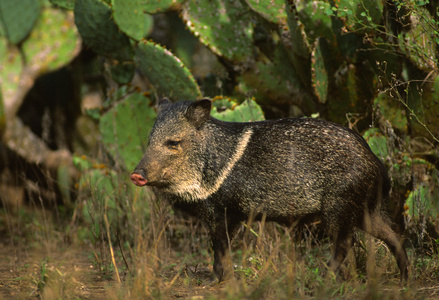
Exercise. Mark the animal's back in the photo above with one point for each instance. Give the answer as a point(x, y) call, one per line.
point(295, 167)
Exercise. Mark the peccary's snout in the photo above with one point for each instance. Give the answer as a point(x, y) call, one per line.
point(138, 179)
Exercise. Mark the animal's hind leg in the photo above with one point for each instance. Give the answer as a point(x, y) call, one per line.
point(379, 226)
point(342, 245)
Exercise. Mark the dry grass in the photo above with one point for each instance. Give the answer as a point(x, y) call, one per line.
point(147, 251)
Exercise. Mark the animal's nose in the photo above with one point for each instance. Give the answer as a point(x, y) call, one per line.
point(138, 179)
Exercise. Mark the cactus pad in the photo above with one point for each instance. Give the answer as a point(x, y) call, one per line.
point(227, 109)
point(98, 30)
point(392, 111)
point(123, 72)
point(125, 128)
point(54, 41)
point(271, 10)
point(18, 18)
point(299, 40)
point(361, 16)
point(67, 4)
point(2, 115)
point(314, 16)
point(165, 72)
point(224, 26)
point(154, 6)
point(425, 106)
point(11, 66)
point(274, 80)
point(320, 59)
point(418, 43)
point(377, 143)
point(130, 18)
point(422, 200)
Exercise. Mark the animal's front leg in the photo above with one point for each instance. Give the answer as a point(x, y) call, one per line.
point(222, 234)
point(222, 263)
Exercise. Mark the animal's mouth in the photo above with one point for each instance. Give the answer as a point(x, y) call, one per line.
point(139, 179)
point(158, 183)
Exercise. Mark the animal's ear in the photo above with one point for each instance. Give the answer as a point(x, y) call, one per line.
point(199, 112)
point(163, 103)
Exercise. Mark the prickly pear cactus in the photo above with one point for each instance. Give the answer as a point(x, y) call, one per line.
point(271, 10)
point(299, 41)
point(18, 18)
point(425, 107)
point(11, 68)
point(123, 72)
point(224, 26)
point(320, 60)
point(377, 143)
point(185, 44)
point(418, 44)
point(274, 80)
point(95, 23)
point(67, 4)
point(54, 41)
point(125, 128)
point(422, 200)
point(227, 109)
point(2, 115)
point(130, 18)
point(315, 16)
point(361, 16)
point(392, 111)
point(165, 72)
point(296, 43)
point(348, 42)
point(154, 6)
point(347, 92)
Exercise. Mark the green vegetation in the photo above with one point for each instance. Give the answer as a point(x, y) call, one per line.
point(78, 85)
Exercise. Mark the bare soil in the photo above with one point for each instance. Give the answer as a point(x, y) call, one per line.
point(39, 271)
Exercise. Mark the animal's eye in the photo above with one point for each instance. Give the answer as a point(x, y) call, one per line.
point(173, 144)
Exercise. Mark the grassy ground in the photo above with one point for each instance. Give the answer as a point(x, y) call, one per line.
point(144, 250)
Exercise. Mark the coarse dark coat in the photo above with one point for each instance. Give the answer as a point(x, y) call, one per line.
point(284, 170)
